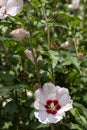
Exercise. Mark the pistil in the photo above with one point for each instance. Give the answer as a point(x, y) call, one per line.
point(52, 106)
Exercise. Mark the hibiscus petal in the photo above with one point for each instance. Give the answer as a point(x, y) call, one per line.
point(39, 96)
point(64, 100)
point(60, 92)
point(75, 1)
point(54, 118)
point(39, 106)
point(12, 11)
point(41, 116)
point(74, 4)
point(65, 108)
point(2, 16)
point(14, 7)
point(3, 2)
point(49, 91)
point(46, 118)
point(45, 93)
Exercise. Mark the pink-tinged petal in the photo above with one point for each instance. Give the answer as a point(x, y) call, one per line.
point(41, 116)
point(49, 91)
point(2, 16)
point(12, 3)
point(12, 11)
point(39, 106)
point(14, 7)
point(45, 93)
point(68, 106)
point(74, 4)
point(65, 108)
point(54, 118)
point(48, 86)
point(45, 118)
point(60, 92)
point(3, 2)
point(39, 96)
point(75, 1)
point(64, 100)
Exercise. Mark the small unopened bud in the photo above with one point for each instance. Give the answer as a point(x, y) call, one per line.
point(40, 58)
point(36, 85)
point(29, 55)
point(68, 45)
point(46, 30)
point(54, 45)
point(80, 55)
point(29, 93)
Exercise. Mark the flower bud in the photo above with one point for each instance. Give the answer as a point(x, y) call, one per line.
point(68, 45)
point(40, 58)
point(80, 55)
point(29, 55)
point(20, 33)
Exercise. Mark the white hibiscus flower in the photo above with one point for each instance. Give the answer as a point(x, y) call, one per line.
point(10, 7)
point(74, 4)
point(51, 103)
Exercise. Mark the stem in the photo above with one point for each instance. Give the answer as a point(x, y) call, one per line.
point(38, 76)
point(25, 91)
point(35, 63)
point(53, 75)
point(18, 121)
point(18, 114)
point(0, 107)
point(36, 68)
point(75, 43)
point(82, 13)
point(6, 55)
point(47, 26)
point(76, 49)
point(52, 127)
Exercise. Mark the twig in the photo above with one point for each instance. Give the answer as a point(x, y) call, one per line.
point(52, 127)
point(47, 26)
point(6, 55)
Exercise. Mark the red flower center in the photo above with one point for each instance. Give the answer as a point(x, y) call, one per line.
point(52, 106)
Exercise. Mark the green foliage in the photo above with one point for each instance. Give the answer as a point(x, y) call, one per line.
point(48, 22)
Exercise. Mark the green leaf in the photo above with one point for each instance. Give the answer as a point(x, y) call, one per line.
point(73, 126)
point(11, 108)
point(54, 56)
